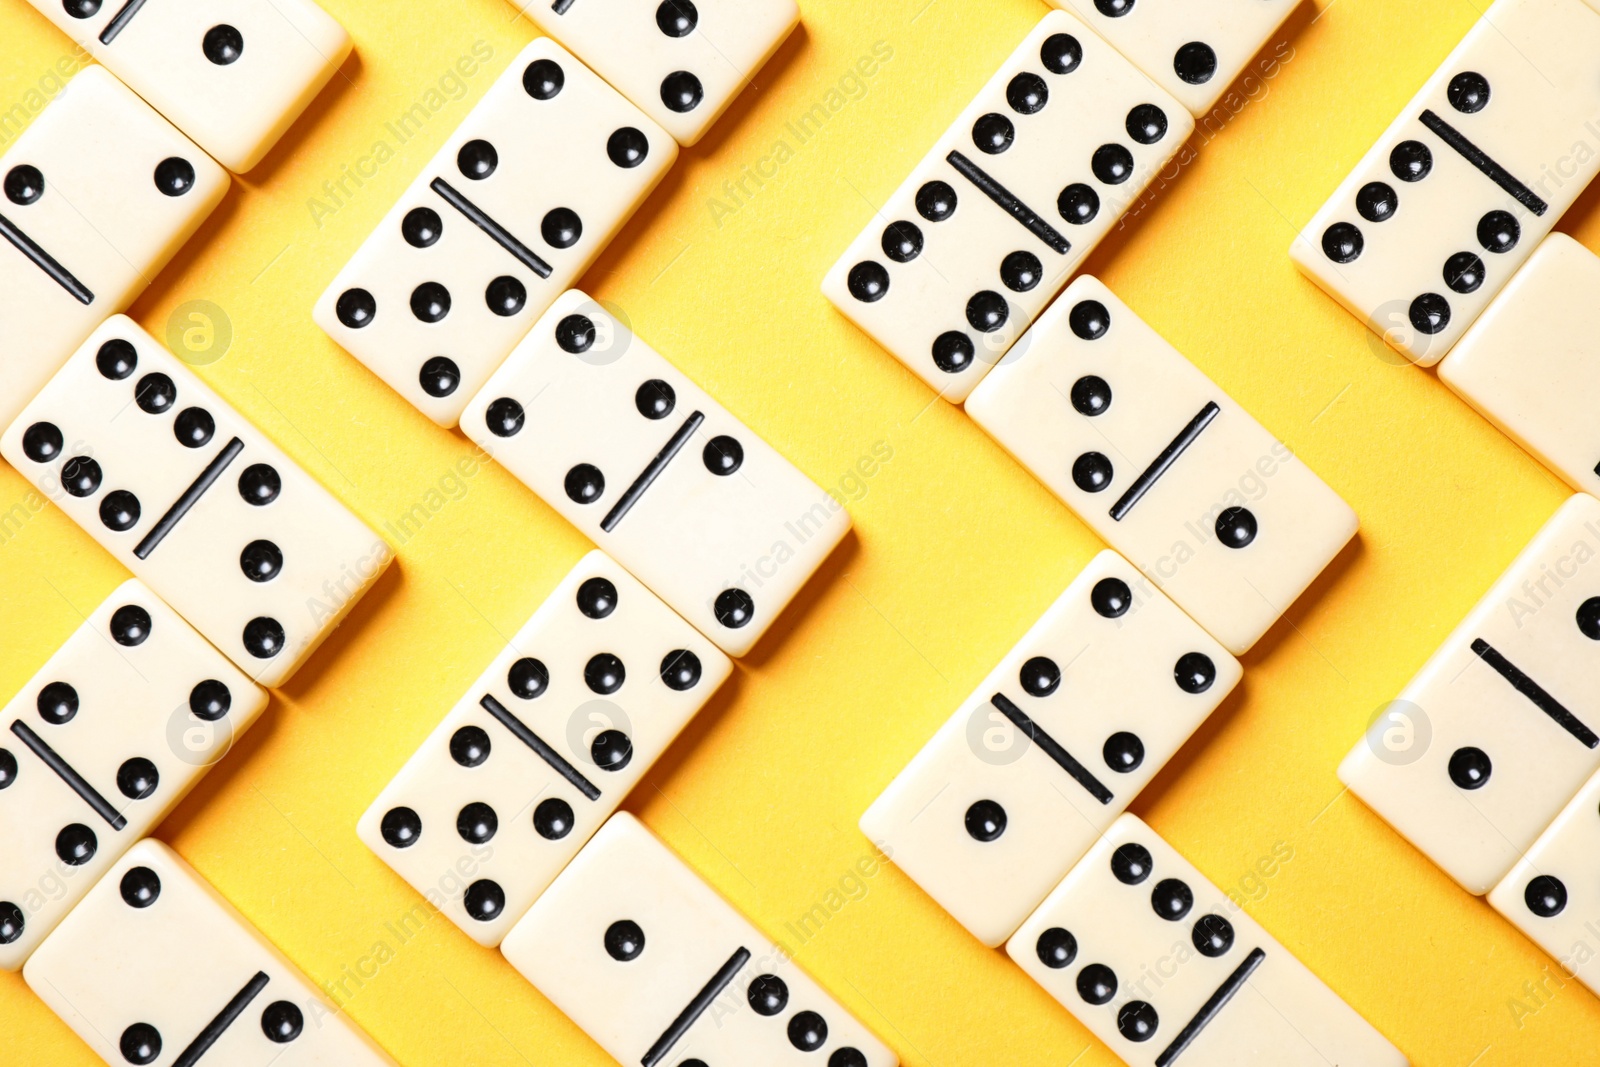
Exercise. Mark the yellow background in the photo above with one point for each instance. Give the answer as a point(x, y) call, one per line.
point(956, 550)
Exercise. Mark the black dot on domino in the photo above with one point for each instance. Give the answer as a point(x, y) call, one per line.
point(82, 9)
point(1089, 320)
point(1468, 92)
point(847, 1057)
point(356, 308)
point(1021, 271)
point(174, 176)
point(1410, 161)
point(734, 608)
point(604, 673)
point(477, 822)
point(210, 700)
point(24, 184)
point(584, 483)
point(1195, 63)
point(681, 92)
point(1092, 472)
point(936, 201)
point(1113, 9)
point(1342, 242)
point(401, 827)
point(505, 296)
point(597, 598)
point(808, 1031)
point(553, 819)
point(680, 670)
point(1111, 598)
point(504, 417)
point(953, 352)
point(1545, 896)
point(130, 625)
point(611, 750)
point(282, 1022)
point(1146, 124)
point(1194, 672)
point(1091, 395)
point(8, 768)
point(1236, 527)
point(1056, 948)
point(1039, 676)
point(543, 78)
point(1027, 93)
point(80, 476)
point(76, 844)
point(723, 455)
point(1112, 164)
point(1061, 53)
point(768, 995)
point(223, 45)
point(575, 334)
point(1498, 231)
point(993, 133)
point(1470, 768)
point(261, 561)
point(561, 228)
point(140, 887)
point(987, 311)
point(430, 302)
point(1212, 936)
point(119, 511)
point(627, 147)
point(439, 376)
point(194, 427)
point(42, 442)
point(624, 940)
point(264, 637)
point(677, 18)
point(140, 1043)
point(1097, 984)
point(477, 159)
point(1588, 618)
point(655, 399)
point(902, 241)
point(528, 678)
point(12, 922)
point(1463, 272)
point(1377, 202)
point(259, 484)
point(137, 778)
point(868, 282)
point(985, 821)
point(57, 703)
point(484, 900)
point(421, 227)
point(1137, 1020)
point(155, 394)
point(1123, 752)
point(1131, 863)
point(1172, 899)
point(469, 746)
point(1429, 313)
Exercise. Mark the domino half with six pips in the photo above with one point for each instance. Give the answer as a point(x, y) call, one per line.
point(194, 500)
point(232, 74)
point(1462, 187)
point(661, 972)
point(98, 746)
point(1037, 169)
point(1165, 969)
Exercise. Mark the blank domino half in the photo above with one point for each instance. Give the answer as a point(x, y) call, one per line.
point(1498, 730)
point(1461, 188)
point(155, 967)
point(1165, 969)
point(1027, 180)
point(1528, 364)
point(1163, 464)
point(650, 962)
point(1052, 746)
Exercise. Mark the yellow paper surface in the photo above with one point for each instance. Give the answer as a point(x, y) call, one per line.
point(956, 549)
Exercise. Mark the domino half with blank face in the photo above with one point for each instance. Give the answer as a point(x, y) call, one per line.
point(1462, 187)
point(195, 501)
point(539, 177)
point(1026, 181)
point(681, 61)
point(1498, 730)
point(543, 747)
point(1527, 365)
point(655, 472)
point(661, 972)
point(232, 74)
point(100, 191)
point(1551, 894)
point(100, 744)
point(1052, 746)
point(1163, 464)
point(155, 967)
point(1166, 970)
point(1193, 51)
